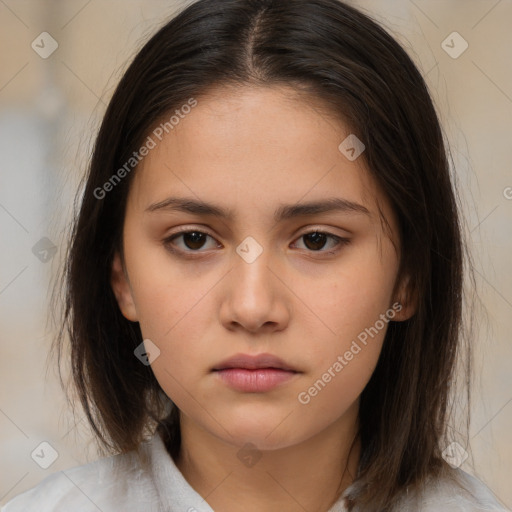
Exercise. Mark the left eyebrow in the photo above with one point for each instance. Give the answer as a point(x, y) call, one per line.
point(283, 212)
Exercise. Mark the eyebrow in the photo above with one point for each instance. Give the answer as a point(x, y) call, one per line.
point(283, 212)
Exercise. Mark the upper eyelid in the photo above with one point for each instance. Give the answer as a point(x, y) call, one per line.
point(203, 230)
point(340, 239)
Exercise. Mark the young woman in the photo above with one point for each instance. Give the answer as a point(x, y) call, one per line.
point(264, 281)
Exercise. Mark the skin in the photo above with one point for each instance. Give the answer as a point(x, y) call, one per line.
point(249, 150)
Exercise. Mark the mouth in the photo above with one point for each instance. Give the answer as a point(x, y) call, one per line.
point(259, 362)
point(255, 374)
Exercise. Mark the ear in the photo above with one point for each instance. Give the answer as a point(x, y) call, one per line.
point(407, 298)
point(122, 290)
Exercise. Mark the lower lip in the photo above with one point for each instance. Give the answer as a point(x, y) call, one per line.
point(254, 381)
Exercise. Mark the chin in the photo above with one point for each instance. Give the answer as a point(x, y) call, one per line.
point(270, 433)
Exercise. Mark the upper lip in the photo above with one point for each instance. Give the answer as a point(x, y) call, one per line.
point(249, 362)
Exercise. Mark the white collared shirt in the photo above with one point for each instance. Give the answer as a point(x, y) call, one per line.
point(121, 483)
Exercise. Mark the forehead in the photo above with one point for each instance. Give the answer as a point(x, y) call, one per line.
point(252, 148)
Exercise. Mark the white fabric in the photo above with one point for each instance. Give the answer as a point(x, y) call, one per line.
point(120, 483)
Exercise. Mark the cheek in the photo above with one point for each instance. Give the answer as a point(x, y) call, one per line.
point(341, 369)
point(174, 312)
point(168, 294)
point(184, 349)
point(351, 303)
point(352, 296)
point(176, 319)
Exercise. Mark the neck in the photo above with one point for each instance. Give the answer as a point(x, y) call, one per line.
point(309, 476)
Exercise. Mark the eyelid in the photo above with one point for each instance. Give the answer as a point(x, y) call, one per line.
point(321, 229)
point(189, 229)
point(309, 229)
point(341, 240)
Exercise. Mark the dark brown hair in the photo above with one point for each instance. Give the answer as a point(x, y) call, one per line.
point(343, 58)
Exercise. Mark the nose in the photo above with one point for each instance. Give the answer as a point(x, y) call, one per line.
point(254, 295)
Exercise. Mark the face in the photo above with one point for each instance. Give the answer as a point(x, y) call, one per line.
point(309, 289)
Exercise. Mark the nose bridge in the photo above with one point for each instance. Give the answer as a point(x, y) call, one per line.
point(252, 297)
point(252, 267)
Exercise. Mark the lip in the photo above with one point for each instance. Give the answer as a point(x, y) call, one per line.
point(249, 362)
point(254, 374)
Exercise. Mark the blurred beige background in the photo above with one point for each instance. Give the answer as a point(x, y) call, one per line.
point(49, 111)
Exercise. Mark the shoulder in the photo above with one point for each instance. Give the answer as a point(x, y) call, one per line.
point(112, 483)
point(457, 491)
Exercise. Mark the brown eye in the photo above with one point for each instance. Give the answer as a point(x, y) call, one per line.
point(316, 241)
point(192, 241)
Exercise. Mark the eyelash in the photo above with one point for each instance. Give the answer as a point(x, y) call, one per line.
point(340, 242)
